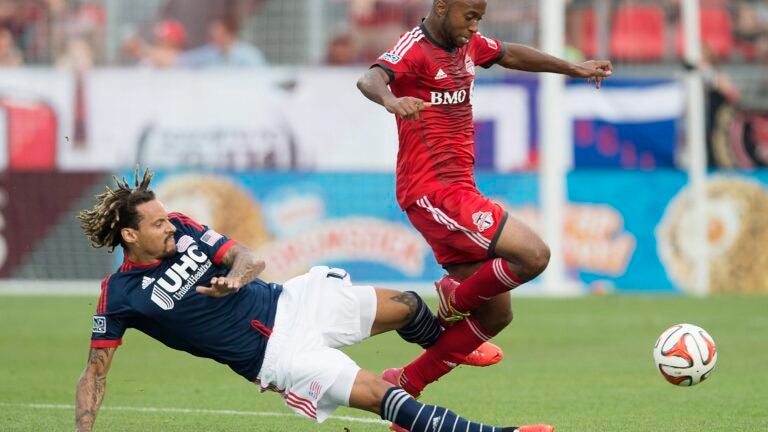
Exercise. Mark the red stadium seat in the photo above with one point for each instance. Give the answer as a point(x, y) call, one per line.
point(716, 32)
point(638, 33)
point(585, 31)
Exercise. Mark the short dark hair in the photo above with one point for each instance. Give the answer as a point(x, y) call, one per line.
point(115, 210)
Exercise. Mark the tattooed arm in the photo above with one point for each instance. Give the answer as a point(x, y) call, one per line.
point(244, 265)
point(91, 387)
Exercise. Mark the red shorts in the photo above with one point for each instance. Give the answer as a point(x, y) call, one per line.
point(459, 223)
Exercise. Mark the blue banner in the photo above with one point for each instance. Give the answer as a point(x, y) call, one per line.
point(628, 231)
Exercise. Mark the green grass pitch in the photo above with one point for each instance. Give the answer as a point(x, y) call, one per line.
point(580, 364)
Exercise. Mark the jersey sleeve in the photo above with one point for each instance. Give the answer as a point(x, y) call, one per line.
point(487, 51)
point(109, 323)
point(402, 59)
point(211, 242)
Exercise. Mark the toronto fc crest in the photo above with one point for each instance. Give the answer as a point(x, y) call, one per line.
point(469, 64)
point(483, 220)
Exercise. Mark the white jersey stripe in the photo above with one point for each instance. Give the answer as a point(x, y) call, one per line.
point(451, 224)
point(402, 51)
point(404, 40)
point(443, 219)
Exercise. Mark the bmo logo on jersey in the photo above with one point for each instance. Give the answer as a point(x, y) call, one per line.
point(456, 97)
point(180, 277)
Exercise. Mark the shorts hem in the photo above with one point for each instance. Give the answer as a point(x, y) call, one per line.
point(492, 246)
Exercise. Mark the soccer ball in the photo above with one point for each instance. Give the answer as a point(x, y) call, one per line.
point(685, 354)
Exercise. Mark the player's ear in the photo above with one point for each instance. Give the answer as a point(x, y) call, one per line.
point(441, 7)
point(129, 235)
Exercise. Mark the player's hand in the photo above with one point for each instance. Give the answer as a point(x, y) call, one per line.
point(221, 286)
point(408, 108)
point(595, 71)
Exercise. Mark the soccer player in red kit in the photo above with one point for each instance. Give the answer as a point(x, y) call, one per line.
point(426, 80)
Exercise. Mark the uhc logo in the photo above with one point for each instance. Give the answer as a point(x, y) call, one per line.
point(180, 277)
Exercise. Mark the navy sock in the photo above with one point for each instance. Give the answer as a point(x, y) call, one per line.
point(400, 408)
point(423, 328)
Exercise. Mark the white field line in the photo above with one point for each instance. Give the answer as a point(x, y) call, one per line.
point(186, 411)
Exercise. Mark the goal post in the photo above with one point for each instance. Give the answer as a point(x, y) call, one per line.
point(553, 166)
point(553, 129)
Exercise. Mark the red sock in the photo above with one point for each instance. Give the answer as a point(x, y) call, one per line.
point(493, 278)
point(450, 350)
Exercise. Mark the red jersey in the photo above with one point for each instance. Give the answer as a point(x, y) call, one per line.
point(437, 150)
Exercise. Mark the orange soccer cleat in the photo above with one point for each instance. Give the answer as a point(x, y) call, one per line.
point(486, 354)
point(532, 428)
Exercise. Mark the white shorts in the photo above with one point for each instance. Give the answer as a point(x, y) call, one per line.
point(316, 313)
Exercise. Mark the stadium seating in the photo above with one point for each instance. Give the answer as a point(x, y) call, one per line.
point(586, 31)
point(638, 33)
point(716, 32)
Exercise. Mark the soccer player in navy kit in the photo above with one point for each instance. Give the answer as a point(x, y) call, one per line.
point(195, 290)
point(426, 80)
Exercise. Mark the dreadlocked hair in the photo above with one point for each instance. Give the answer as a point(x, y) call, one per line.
point(115, 210)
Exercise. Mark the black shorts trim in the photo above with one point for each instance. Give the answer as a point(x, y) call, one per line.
point(492, 247)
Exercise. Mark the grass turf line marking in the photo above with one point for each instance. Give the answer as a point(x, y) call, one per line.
point(186, 411)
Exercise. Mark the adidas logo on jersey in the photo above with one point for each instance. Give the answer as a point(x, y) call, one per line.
point(440, 75)
point(147, 281)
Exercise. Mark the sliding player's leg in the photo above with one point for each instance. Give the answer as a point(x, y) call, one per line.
point(371, 393)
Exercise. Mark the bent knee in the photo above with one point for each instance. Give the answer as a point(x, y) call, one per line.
point(541, 258)
point(537, 260)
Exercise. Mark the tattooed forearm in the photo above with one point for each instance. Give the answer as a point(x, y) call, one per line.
point(409, 300)
point(243, 263)
point(91, 387)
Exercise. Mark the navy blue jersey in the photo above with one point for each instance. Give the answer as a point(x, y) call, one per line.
point(159, 299)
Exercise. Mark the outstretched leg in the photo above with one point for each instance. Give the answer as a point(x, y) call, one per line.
point(372, 394)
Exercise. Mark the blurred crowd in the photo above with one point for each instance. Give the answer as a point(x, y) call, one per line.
point(74, 33)
point(199, 33)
